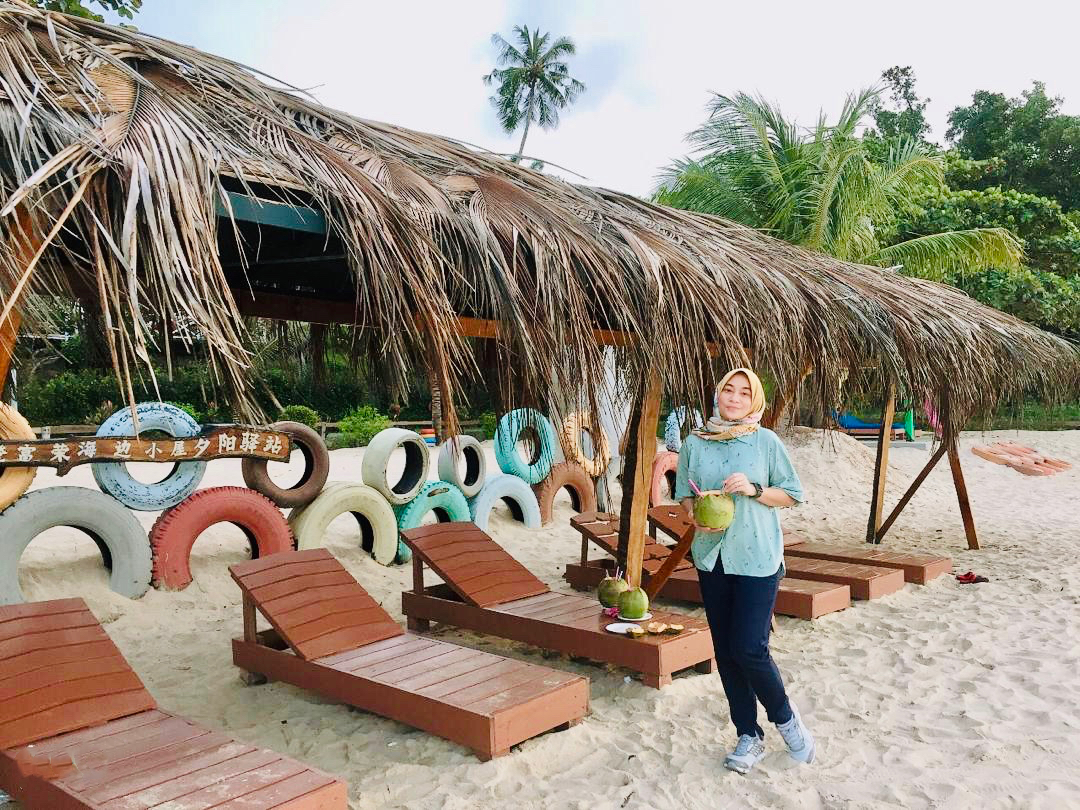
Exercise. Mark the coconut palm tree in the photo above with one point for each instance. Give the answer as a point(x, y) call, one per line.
point(535, 82)
point(819, 188)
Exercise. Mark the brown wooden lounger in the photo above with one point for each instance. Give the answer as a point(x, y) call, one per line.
point(331, 637)
point(79, 730)
point(917, 568)
point(487, 590)
point(797, 597)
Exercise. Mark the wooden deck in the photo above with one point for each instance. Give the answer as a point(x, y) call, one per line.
point(865, 581)
point(355, 652)
point(801, 598)
point(79, 730)
point(917, 568)
point(568, 623)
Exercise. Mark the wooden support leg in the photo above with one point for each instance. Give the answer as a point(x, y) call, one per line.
point(417, 625)
point(675, 556)
point(962, 495)
point(706, 666)
point(881, 467)
point(910, 492)
point(656, 681)
point(584, 550)
point(641, 449)
point(251, 635)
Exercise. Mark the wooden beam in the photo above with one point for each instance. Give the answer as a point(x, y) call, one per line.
point(9, 333)
point(637, 471)
point(881, 466)
point(676, 556)
point(910, 493)
point(962, 494)
point(246, 208)
point(26, 242)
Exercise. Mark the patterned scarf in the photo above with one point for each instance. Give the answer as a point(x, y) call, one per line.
point(718, 429)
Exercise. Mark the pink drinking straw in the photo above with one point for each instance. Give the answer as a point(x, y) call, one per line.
point(694, 486)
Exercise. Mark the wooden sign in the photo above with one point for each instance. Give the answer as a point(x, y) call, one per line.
point(233, 441)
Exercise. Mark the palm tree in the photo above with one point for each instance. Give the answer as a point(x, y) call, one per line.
point(820, 188)
point(535, 82)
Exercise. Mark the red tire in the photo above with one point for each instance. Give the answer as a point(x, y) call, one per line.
point(175, 531)
point(572, 476)
point(663, 472)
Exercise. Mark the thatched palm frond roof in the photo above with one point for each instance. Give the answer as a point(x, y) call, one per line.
point(121, 145)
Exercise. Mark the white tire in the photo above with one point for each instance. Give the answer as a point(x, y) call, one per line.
point(518, 496)
point(465, 448)
point(377, 522)
point(377, 457)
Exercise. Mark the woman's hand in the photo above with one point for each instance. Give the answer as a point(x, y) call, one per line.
point(738, 484)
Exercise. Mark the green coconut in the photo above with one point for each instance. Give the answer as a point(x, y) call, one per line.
point(714, 509)
point(609, 589)
point(633, 603)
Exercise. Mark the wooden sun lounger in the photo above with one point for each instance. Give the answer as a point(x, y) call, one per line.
point(79, 730)
point(487, 590)
point(331, 637)
point(800, 598)
point(917, 568)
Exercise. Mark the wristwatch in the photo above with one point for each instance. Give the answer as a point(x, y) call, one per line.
point(757, 490)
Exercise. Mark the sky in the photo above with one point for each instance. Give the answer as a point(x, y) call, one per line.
point(649, 67)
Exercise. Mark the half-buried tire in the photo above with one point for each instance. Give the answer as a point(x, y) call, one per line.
point(373, 469)
point(468, 449)
point(576, 424)
point(14, 481)
point(517, 495)
point(663, 475)
point(316, 468)
point(113, 528)
point(571, 476)
point(175, 531)
point(440, 497)
point(114, 478)
point(377, 522)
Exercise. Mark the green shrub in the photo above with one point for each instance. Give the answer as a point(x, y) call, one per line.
point(338, 441)
point(300, 413)
point(189, 410)
point(363, 423)
point(488, 423)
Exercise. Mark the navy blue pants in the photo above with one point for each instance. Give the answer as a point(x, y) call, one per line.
point(739, 610)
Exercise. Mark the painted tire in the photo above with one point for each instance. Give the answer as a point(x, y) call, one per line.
point(441, 497)
point(375, 518)
point(316, 468)
point(377, 455)
point(123, 544)
point(507, 435)
point(14, 481)
point(570, 435)
point(518, 496)
point(114, 479)
point(673, 426)
point(472, 451)
point(663, 472)
point(175, 531)
point(575, 479)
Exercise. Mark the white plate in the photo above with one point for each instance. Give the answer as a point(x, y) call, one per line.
point(620, 627)
point(644, 618)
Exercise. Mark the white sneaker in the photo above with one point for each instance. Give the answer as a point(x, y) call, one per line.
point(748, 752)
point(800, 742)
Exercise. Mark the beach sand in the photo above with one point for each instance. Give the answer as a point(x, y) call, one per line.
point(943, 695)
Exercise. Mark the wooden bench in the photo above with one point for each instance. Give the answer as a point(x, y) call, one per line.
point(917, 568)
point(331, 637)
point(79, 730)
point(800, 598)
point(486, 590)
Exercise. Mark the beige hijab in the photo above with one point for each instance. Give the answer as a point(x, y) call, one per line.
point(718, 429)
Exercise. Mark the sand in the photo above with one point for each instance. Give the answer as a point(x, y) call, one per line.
point(944, 695)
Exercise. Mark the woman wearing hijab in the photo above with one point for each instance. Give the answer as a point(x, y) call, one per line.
point(740, 568)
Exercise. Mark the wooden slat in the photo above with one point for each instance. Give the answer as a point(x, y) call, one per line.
point(918, 568)
point(493, 575)
point(40, 641)
point(364, 623)
point(865, 581)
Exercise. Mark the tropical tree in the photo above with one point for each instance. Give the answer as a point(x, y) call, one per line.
point(823, 189)
point(533, 81)
point(81, 8)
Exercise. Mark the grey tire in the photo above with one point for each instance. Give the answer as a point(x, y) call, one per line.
point(465, 448)
point(377, 522)
point(123, 542)
point(377, 456)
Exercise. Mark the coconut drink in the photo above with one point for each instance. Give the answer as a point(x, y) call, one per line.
point(633, 604)
point(715, 509)
point(609, 590)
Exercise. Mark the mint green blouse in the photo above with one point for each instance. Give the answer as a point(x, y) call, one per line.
point(753, 544)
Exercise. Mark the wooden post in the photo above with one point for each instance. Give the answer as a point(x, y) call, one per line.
point(881, 466)
point(640, 452)
point(26, 243)
point(961, 494)
point(9, 331)
point(910, 492)
point(251, 634)
point(414, 624)
point(675, 556)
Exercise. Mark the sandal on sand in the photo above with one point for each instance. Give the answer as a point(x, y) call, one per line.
point(970, 578)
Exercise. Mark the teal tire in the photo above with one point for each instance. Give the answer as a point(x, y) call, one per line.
point(440, 497)
point(509, 432)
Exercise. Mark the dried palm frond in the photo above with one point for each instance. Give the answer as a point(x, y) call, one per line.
point(119, 147)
